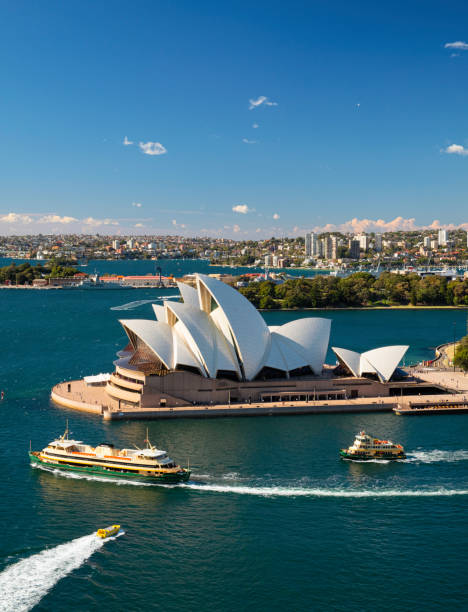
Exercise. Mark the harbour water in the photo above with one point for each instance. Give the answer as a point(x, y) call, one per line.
point(271, 519)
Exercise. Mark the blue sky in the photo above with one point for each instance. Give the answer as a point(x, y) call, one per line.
point(363, 107)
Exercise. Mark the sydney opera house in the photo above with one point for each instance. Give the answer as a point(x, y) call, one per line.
point(214, 347)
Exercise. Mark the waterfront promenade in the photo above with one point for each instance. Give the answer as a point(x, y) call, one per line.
point(79, 396)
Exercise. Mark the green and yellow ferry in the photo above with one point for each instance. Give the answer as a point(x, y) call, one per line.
point(366, 447)
point(144, 464)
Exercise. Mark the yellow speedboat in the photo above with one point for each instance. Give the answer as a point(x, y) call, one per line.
point(108, 531)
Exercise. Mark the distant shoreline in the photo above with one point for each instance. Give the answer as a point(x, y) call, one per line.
point(397, 307)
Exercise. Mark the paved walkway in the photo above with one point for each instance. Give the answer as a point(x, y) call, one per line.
point(78, 395)
point(458, 381)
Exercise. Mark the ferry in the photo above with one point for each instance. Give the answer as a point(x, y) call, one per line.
point(367, 447)
point(147, 464)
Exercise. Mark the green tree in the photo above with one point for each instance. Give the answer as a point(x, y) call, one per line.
point(461, 354)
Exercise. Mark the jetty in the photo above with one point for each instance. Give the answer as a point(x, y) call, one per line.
point(442, 406)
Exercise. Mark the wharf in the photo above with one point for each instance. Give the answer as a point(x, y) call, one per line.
point(440, 407)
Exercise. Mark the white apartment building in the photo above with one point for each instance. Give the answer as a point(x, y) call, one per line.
point(443, 237)
point(363, 241)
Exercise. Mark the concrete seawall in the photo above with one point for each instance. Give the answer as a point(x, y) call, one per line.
point(206, 412)
point(94, 399)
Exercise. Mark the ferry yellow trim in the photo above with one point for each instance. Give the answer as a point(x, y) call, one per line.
point(117, 465)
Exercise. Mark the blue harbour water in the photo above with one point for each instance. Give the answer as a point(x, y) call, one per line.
point(271, 519)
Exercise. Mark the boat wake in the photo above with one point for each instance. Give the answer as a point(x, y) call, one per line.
point(368, 460)
point(436, 456)
point(269, 491)
point(138, 303)
point(322, 492)
point(23, 584)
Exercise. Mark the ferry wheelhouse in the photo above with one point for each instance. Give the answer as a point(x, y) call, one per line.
point(367, 447)
point(147, 464)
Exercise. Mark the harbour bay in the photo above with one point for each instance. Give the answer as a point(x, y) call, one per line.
point(271, 518)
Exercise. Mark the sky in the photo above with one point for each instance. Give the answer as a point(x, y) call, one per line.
point(233, 119)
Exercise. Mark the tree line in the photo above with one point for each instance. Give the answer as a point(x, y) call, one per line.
point(25, 273)
point(461, 354)
point(358, 290)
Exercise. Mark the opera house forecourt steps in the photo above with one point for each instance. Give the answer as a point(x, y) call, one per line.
point(214, 355)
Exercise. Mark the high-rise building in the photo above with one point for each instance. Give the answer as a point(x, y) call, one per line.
point(363, 241)
point(442, 237)
point(308, 245)
point(311, 245)
point(334, 247)
point(427, 242)
point(434, 244)
point(116, 244)
point(354, 249)
point(378, 242)
point(326, 247)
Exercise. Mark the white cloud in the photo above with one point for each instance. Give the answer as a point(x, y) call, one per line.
point(15, 218)
point(247, 141)
point(255, 126)
point(152, 148)
point(243, 209)
point(139, 225)
point(261, 100)
point(127, 142)
point(235, 228)
point(174, 222)
point(356, 226)
point(276, 216)
point(456, 149)
point(136, 204)
point(92, 222)
point(56, 219)
point(458, 44)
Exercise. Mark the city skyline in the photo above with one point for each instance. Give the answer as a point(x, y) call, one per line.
point(238, 121)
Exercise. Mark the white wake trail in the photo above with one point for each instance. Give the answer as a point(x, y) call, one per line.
point(436, 456)
point(25, 583)
point(132, 305)
point(323, 492)
point(138, 303)
point(272, 491)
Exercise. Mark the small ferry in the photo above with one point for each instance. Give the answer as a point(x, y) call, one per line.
point(147, 464)
point(107, 532)
point(366, 447)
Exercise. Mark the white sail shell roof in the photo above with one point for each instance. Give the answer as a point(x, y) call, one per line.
point(182, 355)
point(216, 329)
point(308, 337)
point(247, 329)
point(203, 338)
point(285, 354)
point(160, 312)
point(155, 334)
point(382, 361)
point(189, 294)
